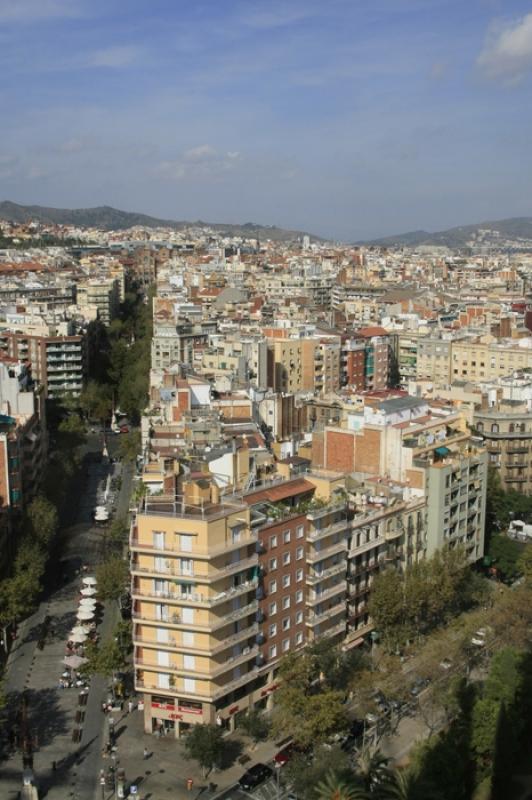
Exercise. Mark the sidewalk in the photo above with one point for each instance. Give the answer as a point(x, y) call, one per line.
point(51, 710)
point(165, 772)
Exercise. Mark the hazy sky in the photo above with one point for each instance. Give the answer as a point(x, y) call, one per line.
point(348, 118)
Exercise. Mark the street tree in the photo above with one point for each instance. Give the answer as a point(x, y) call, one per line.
point(18, 595)
point(204, 744)
point(112, 576)
point(307, 770)
point(387, 607)
point(524, 564)
point(107, 659)
point(255, 725)
point(42, 520)
point(333, 787)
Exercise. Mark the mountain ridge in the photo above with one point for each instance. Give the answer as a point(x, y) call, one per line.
point(510, 228)
point(109, 218)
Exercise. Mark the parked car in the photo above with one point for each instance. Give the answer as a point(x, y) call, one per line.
point(479, 638)
point(286, 753)
point(255, 775)
point(418, 686)
point(446, 663)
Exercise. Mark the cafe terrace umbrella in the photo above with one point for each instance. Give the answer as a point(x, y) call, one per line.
point(74, 662)
point(77, 638)
point(79, 629)
point(87, 602)
point(88, 591)
point(85, 614)
point(88, 580)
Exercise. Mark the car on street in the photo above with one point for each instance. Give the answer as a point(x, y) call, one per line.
point(418, 686)
point(479, 638)
point(254, 776)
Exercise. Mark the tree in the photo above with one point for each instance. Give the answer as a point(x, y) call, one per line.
point(129, 445)
point(387, 608)
point(72, 431)
point(504, 553)
point(255, 724)
point(17, 599)
point(118, 532)
point(371, 767)
point(307, 770)
point(97, 401)
point(308, 718)
point(204, 744)
point(524, 564)
point(112, 577)
point(106, 659)
point(42, 520)
point(334, 788)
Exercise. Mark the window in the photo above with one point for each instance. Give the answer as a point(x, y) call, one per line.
point(299, 575)
point(163, 681)
point(186, 543)
point(273, 629)
point(273, 651)
point(273, 563)
point(495, 428)
point(286, 645)
point(300, 553)
point(273, 541)
point(189, 662)
point(286, 581)
point(299, 637)
point(188, 638)
point(299, 596)
point(189, 684)
point(286, 602)
point(273, 609)
point(300, 530)
point(286, 624)
point(286, 537)
point(286, 559)
point(299, 618)
point(273, 587)
point(187, 615)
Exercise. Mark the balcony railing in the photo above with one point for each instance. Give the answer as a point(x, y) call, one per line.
point(319, 555)
point(318, 577)
point(212, 625)
point(194, 598)
point(173, 644)
point(204, 577)
point(236, 684)
point(174, 548)
point(229, 663)
point(315, 618)
point(322, 533)
point(314, 598)
point(316, 513)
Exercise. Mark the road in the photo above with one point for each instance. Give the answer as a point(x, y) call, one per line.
point(54, 713)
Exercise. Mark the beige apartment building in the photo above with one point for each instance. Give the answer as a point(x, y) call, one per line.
point(487, 358)
point(506, 430)
point(304, 365)
point(194, 567)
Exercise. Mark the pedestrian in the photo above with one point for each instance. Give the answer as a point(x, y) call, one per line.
point(145, 753)
point(54, 766)
point(130, 706)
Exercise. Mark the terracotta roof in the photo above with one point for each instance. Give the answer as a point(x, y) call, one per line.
point(282, 491)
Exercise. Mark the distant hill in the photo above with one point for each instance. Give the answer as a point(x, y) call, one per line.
point(514, 228)
point(107, 218)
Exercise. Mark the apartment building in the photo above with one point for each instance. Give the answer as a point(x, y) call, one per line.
point(309, 364)
point(486, 358)
point(389, 528)
point(427, 447)
point(58, 363)
point(23, 446)
point(506, 431)
point(434, 359)
point(195, 576)
point(103, 293)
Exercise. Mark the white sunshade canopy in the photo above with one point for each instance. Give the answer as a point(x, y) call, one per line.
point(89, 580)
point(85, 614)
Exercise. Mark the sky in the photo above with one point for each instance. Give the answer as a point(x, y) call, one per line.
point(350, 119)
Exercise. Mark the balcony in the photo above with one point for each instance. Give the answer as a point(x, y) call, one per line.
point(321, 555)
point(234, 661)
point(314, 597)
point(174, 549)
point(174, 620)
point(172, 644)
point(380, 541)
point(317, 513)
point(236, 684)
point(321, 533)
point(194, 598)
point(315, 618)
point(318, 577)
point(214, 575)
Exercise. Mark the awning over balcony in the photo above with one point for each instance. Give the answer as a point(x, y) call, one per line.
point(442, 451)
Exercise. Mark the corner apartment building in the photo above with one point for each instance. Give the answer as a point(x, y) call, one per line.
point(105, 294)
point(366, 360)
point(506, 431)
point(58, 363)
point(195, 576)
point(299, 365)
point(427, 447)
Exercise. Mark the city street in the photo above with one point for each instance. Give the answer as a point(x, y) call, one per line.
point(63, 767)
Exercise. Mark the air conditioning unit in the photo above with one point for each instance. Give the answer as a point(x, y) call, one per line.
point(246, 650)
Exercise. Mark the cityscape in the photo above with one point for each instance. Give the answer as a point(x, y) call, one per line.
point(266, 487)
